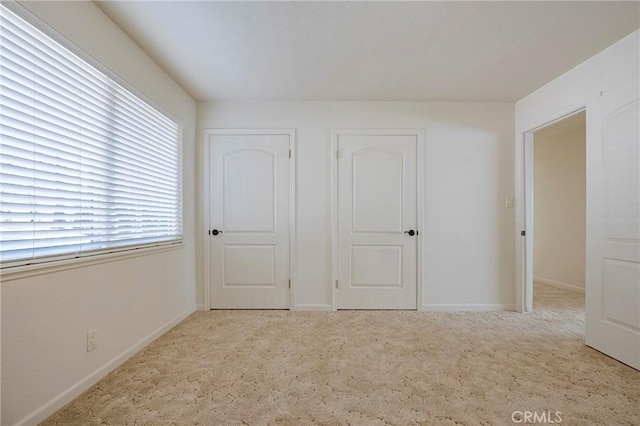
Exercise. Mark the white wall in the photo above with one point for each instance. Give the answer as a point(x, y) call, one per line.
point(468, 254)
point(581, 87)
point(559, 227)
point(45, 317)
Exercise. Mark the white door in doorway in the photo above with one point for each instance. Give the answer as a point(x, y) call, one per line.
point(613, 224)
point(377, 237)
point(249, 218)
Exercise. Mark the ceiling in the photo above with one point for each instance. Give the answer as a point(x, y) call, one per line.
point(370, 51)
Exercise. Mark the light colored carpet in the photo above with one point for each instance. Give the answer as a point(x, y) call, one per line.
point(382, 367)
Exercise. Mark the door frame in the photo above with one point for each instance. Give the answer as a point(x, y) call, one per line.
point(419, 134)
point(206, 203)
point(524, 288)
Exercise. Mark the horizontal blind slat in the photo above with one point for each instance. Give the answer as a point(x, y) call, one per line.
point(85, 165)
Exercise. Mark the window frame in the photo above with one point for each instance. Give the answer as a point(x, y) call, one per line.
point(16, 269)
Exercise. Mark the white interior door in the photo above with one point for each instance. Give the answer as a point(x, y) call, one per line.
point(613, 224)
point(249, 177)
point(377, 212)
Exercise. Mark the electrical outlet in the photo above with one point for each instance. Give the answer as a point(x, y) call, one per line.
point(91, 340)
point(508, 202)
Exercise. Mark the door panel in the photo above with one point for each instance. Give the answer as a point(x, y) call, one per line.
point(249, 191)
point(376, 266)
point(249, 184)
point(613, 221)
point(377, 192)
point(261, 259)
point(621, 174)
point(377, 177)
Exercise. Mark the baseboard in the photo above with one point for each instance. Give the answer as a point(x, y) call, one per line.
point(82, 385)
point(200, 307)
point(468, 307)
point(312, 307)
point(559, 284)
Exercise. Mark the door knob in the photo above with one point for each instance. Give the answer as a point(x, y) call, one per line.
point(410, 232)
point(216, 232)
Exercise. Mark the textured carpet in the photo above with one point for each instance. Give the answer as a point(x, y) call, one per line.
point(382, 367)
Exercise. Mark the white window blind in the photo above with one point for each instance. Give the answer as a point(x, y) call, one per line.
point(85, 165)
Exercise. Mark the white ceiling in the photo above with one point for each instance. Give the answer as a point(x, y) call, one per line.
point(370, 51)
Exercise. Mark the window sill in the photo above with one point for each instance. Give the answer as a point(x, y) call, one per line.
point(26, 271)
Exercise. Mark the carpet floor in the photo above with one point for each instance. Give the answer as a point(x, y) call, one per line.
point(368, 367)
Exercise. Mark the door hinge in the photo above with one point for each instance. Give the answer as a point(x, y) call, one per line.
point(289, 283)
point(289, 153)
point(336, 283)
point(337, 155)
point(523, 233)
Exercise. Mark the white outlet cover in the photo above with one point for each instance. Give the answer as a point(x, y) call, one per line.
point(91, 340)
point(508, 202)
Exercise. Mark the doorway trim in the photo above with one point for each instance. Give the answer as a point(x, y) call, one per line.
point(206, 203)
point(335, 134)
point(525, 284)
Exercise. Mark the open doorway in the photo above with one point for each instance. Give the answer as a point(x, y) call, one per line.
point(559, 216)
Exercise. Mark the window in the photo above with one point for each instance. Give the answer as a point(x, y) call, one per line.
point(86, 166)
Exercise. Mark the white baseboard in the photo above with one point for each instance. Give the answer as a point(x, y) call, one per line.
point(312, 307)
point(559, 284)
point(200, 307)
point(82, 385)
point(468, 307)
